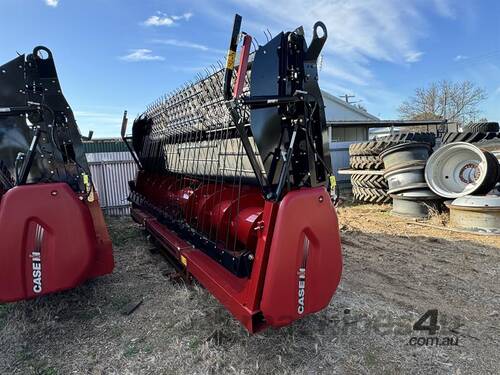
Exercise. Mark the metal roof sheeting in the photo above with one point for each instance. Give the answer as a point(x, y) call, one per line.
point(104, 145)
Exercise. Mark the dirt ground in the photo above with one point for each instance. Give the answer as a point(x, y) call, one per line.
point(394, 272)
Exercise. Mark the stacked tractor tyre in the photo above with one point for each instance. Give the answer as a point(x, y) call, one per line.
point(474, 133)
point(369, 185)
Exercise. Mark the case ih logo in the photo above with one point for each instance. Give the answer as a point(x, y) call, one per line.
point(302, 277)
point(36, 260)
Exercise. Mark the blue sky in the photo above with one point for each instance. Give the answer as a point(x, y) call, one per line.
point(113, 55)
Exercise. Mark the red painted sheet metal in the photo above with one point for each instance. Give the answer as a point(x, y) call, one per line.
point(104, 262)
point(265, 237)
point(49, 241)
point(305, 261)
point(226, 287)
point(242, 67)
point(167, 238)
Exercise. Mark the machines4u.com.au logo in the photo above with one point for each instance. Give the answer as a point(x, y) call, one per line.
point(429, 323)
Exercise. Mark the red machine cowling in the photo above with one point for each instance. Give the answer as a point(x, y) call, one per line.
point(305, 252)
point(51, 241)
point(52, 230)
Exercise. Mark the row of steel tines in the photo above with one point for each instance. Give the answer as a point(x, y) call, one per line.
point(195, 106)
point(184, 116)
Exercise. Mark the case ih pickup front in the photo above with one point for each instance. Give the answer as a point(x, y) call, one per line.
point(52, 231)
point(234, 181)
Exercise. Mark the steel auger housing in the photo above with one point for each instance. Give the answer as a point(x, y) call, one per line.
point(52, 230)
point(234, 181)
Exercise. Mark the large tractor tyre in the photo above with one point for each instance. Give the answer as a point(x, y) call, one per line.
point(370, 195)
point(449, 137)
point(468, 137)
point(411, 137)
point(482, 127)
point(375, 147)
point(492, 145)
point(366, 162)
point(372, 181)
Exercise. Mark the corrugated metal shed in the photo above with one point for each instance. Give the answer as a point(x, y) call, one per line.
point(112, 167)
point(338, 111)
point(110, 178)
point(101, 157)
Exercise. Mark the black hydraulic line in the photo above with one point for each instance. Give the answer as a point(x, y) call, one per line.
point(30, 156)
point(9, 111)
point(286, 167)
point(31, 107)
point(22, 176)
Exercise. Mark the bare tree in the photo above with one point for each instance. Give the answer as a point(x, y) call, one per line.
point(455, 101)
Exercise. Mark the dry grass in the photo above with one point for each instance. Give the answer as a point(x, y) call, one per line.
point(393, 273)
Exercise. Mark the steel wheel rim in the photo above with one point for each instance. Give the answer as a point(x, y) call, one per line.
point(456, 170)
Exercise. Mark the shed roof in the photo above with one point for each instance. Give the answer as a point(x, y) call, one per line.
point(104, 145)
point(385, 123)
point(348, 106)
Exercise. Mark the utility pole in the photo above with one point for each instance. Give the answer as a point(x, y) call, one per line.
point(346, 97)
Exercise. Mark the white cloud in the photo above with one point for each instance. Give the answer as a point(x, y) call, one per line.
point(460, 58)
point(99, 117)
point(141, 54)
point(185, 16)
point(413, 56)
point(187, 44)
point(360, 33)
point(161, 19)
point(52, 3)
point(357, 30)
point(104, 120)
point(360, 77)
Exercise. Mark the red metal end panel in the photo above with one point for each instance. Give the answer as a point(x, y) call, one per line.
point(226, 287)
point(305, 260)
point(48, 241)
point(104, 262)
